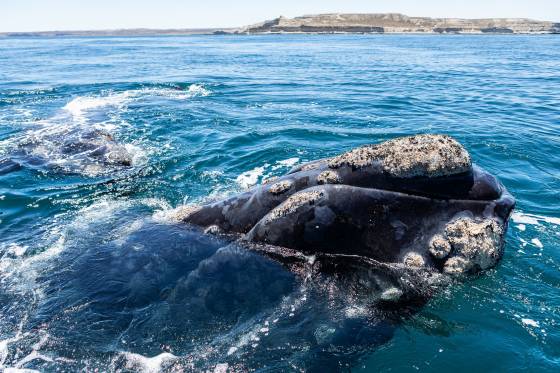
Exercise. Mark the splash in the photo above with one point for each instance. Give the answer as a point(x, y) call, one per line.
point(250, 178)
point(79, 106)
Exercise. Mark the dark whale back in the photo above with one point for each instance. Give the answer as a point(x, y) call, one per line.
point(240, 213)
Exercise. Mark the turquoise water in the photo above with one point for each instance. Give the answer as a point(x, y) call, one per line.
point(94, 273)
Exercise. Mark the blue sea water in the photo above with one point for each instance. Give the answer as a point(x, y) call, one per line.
point(96, 275)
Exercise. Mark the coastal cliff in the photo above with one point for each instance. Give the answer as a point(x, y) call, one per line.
point(399, 23)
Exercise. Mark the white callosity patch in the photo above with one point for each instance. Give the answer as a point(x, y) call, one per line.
point(414, 260)
point(420, 155)
point(269, 180)
point(439, 247)
point(294, 202)
point(328, 177)
point(475, 244)
point(457, 265)
point(280, 187)
point(310, 166)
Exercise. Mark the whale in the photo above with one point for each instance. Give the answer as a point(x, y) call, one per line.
point(73, 150)
point(417, 201)
point(310, 271)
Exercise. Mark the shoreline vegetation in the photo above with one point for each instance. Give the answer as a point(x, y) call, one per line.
point(338, 23)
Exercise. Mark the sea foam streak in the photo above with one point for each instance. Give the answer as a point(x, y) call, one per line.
point(532, 219)
point(80, 105)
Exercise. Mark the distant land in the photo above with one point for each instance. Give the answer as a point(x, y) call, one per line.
point(400, 23)
point(375, 23)
point(119, 32)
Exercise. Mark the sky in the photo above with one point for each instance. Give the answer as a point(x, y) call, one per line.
point(49, 15)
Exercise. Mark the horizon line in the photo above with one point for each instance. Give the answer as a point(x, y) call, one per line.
point(140, 28)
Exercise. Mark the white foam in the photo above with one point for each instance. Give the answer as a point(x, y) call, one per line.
point(537, 243)
point(289, 162)
point(212, 174)
point(530, 322)
point(221, 368)
point(532, 219)
point(45, 137)
point(34, 354)
point(198, 90)
point(173, 215)
point(82, 104)
point(251, 177)
point(194, 90)
point(355, 311)
point(521, 227)
point(16, 249)
point(145, 364)
point(138, 155)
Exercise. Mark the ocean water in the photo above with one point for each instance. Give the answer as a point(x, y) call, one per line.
point(95, 274)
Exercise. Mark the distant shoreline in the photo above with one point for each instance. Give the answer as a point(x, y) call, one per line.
point(118, 32)
point(338, 23)
point(48, 35)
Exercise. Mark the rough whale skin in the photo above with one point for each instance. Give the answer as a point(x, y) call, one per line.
point(415, 201)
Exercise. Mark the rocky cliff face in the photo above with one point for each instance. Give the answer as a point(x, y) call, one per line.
point(399, 23)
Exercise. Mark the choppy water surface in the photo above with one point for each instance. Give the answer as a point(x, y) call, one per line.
point(94, 273)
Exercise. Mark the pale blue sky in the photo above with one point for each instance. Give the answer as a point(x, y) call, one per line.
point(38, 15)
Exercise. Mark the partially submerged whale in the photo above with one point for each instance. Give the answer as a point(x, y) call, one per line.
point(416, 201)
point(73, 150)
